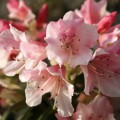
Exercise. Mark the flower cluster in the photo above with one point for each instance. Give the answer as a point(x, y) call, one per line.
point(84, 41)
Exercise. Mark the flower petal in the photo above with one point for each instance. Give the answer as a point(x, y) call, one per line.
point(65, 107)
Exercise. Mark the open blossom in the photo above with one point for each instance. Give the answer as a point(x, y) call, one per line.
point(110, 41)
point(18, 51)
point(9, 45)
point(30, 53)
point(42, 80)
point(70, 40)
point(98, 109)
point(103, 72)
point(20, 11)
point(93, 11)
point(32, 49)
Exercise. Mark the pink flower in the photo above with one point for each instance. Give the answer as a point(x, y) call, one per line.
point(29, 55)
point(98, 109)
point(103, 72)
point(70, 40)
point(93, 11)
point(20, 11)
point(42, 80)
point(9, 45)
point(32, 49)
point(9, 40)
point(15, 66)
point(110, 41)
point(18, 51)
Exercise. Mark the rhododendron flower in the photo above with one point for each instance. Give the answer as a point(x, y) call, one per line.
point(20, 11)
point(6, 56)
point(110, 41)
point(9, 39)
point(70, 40)
point(98, 109)
point(18, 51)
point(103, 72)
point(32, 49)
point(9, 45)
point(43, 80)
point(14, 66)
point(93, 11)
point(30, 53)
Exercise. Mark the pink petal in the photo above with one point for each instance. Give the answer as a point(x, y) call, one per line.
point(33, 50)
point(16, 33)
point(20, 11)
point(4, 57)
point(63, 56)
point(12, 4)
point(51, 28)
point(93, 11)
point(86, 38)
point(29, 75)
point(61, 118)
point(95, 110)
point(33, 74)
point(110, 41)
point(13, 68)
point(81, 58)
point(7, 41)
point(64, 105)
point(72, 16)
point(30, 63)
point(34, 93)
point(89, 81)
point(104, 70)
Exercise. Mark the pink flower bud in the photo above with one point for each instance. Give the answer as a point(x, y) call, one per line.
point(106, 22)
